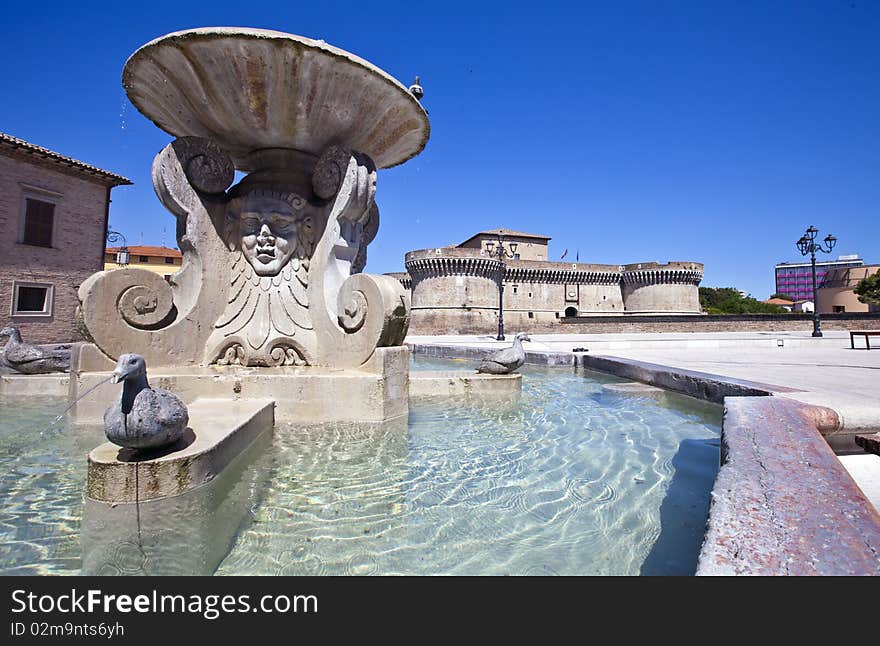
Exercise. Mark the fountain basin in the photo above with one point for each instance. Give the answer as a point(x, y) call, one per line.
point(252, 89)
point(568, 478)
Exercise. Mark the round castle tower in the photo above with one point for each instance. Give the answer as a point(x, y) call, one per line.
point(455, 290)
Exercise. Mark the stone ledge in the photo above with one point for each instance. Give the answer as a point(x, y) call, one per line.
point(634, 388)
point(442, 351)
point(458, 383)
point(701, 385)
point(302, 394)
point(221, 428)
point(783, 504)
point(55, 385)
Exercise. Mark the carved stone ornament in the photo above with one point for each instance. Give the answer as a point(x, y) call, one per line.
point(271, 266)
point(269, 271)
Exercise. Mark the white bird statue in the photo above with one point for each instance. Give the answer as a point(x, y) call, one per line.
point(507, 360)
point(144, 417)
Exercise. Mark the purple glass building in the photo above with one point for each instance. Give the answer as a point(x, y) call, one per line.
point(795, 279)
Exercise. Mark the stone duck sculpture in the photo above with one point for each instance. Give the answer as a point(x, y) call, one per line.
point(144, 417)
point(506, 361)
point(30, 359)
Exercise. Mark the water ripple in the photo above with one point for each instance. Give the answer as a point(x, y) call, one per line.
point(566, 480)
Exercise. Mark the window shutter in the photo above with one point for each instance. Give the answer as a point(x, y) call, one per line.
point(38, 222)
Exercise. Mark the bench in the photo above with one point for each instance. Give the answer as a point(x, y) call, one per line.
point(865, 333)
point(871, 443)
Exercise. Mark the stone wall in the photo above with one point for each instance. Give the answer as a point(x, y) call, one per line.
point(77, 251)
point(650, 287)
point(455, 291)
point(486, 322)
point(527, 247)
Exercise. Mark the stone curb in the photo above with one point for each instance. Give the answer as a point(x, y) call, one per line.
point(782, 503)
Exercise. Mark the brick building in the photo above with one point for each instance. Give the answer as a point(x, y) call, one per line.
point(53, 221)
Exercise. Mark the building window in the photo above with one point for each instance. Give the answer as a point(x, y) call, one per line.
point(32, 299)
point(571, 311)
point(39, 222)
point(169, 260)
point(144, 258)
point(531, 315)
point(839, 308)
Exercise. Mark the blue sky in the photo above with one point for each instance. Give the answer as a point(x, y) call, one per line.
point(626, 131)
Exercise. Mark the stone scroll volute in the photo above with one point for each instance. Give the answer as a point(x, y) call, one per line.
point(270, 275)
point(135, 310)
point(353, 313)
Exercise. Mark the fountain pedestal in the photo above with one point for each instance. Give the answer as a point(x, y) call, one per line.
point(377, 391)
point(220, 430)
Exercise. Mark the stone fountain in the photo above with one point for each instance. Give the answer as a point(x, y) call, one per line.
point(270, 300)
point(270, 317)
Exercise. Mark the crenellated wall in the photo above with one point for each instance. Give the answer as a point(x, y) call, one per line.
point(454, 290)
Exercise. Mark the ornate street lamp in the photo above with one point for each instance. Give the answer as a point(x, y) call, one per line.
point(123, 256)
point(808, 245)
point(501, 252)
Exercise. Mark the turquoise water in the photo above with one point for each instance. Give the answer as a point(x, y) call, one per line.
point(42, 479)
point(567, 479)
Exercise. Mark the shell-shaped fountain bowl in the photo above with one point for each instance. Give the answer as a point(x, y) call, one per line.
point(249, 89)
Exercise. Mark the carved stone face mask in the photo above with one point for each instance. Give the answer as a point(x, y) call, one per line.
point(267, 228)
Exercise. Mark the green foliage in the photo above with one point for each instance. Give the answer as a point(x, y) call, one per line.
point(728, 300)
point(783, 296)
point(868, 289)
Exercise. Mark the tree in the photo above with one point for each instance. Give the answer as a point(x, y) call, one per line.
point(784, 297)
point(729, 300)
point(868, 289)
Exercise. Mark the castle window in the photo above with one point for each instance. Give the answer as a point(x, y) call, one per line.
point(571, 311)
point(531, 315)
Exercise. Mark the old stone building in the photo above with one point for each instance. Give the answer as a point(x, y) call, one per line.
point(53, 221)
point(454, 289)
point(161, 260)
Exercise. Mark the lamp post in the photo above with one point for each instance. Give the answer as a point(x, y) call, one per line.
point(501, 252)
point(122, 255)
point(808, 245)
